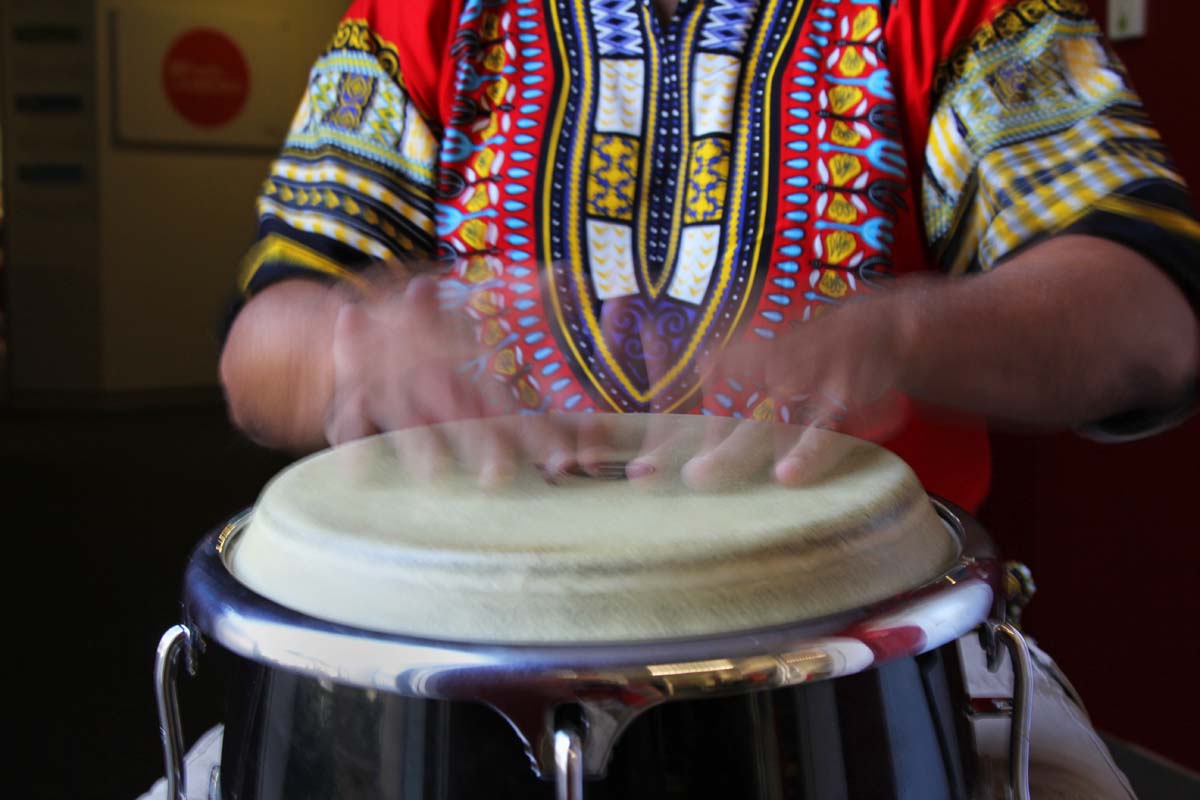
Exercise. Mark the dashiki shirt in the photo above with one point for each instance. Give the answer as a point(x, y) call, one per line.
point(612, 191)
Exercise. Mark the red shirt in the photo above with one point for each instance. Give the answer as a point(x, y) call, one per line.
point(622, 197)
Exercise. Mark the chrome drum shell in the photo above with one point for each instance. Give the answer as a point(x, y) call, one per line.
point(864, 703)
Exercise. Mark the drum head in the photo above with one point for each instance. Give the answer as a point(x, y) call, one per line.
point(362, 535)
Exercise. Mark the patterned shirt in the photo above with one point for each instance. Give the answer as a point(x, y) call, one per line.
point(603, 184)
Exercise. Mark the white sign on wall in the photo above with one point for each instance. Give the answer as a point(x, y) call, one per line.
point(205, 77)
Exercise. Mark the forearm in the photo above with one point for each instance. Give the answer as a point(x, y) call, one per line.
point(276, 367)
point(1068, 332)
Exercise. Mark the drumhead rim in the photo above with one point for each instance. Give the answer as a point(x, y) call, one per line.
point(218, 606)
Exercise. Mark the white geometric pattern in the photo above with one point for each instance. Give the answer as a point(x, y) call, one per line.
point(697, 257)
point(622, 93)
point(617, 28)
point(610, 254)
point(728, 25)
point(714, 93)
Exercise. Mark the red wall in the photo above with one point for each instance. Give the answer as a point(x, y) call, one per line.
point(1112, 531)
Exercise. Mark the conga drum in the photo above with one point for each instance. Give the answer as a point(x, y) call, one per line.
point(572, 633)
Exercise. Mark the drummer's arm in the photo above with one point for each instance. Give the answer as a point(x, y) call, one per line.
point(308, 364)
point(1069, 331)
point(277, 364)
point(311, 259)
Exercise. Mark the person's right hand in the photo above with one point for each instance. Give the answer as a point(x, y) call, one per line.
point(401, 361)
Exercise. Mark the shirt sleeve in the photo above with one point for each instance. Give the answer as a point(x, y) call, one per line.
point(1031, 128)
point(1023, 125)
point(355, 182)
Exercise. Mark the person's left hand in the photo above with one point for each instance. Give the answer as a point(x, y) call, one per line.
point(842, 372)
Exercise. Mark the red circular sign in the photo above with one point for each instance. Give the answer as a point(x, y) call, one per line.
point(206, 77)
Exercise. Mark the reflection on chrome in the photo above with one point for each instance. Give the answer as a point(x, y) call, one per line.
point(690, 668)
point(612, 684)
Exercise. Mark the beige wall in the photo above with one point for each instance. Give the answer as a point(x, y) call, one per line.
point(175, 224)
point(51, 263)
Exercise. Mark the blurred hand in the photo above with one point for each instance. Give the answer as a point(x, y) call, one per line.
point(397, 362)
point(840, 372)
point(400, 361)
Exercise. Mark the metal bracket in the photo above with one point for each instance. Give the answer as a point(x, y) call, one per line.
point(1005, 633)
point(601, 722)
point(177, 640)
point(568, 764)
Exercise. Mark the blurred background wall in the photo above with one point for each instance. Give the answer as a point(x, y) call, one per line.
point(126, 220)
point(124, 224)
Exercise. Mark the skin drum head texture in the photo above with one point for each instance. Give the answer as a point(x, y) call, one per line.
point(367, 535)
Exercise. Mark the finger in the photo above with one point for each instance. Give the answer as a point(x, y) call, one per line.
point(487, 445)
point(414, 403)
point(548, 441)
point(665, 447)
point(488, 450)
point(744, 454)
point(475, 444)
point(815, 454)
point(368, 461)
point(423, 452)
point(348, 419)
point(715, 431)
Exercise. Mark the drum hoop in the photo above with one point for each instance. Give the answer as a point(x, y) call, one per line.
point(218, 606)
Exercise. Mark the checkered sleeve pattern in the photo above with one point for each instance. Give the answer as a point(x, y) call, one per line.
point(355, 181)
point(1034, 130)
